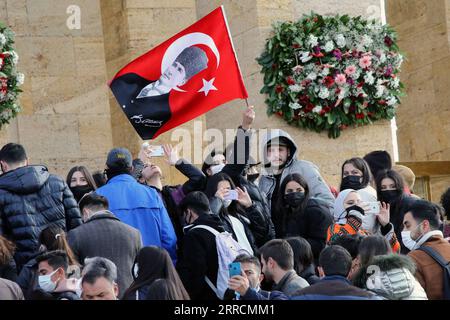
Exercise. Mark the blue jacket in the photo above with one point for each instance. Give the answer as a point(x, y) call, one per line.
point(141, 207)
point(328, 288)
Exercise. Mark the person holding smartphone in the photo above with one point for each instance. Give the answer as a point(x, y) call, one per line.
point(233, 205)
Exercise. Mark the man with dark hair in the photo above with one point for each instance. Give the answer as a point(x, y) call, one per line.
point(199, 258)
point(99, 280)
point(334, 265)
point(422, 236)
point(104, 235)
point(280, 159)
point(136, 204)
point(53, 281)
point(445, 202)
point(277, 260)
point(350, 242)
point(251, 267)
point(31, 199)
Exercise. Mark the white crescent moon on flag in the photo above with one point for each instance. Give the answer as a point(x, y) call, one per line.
point(188, 40)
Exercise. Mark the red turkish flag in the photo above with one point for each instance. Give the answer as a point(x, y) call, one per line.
point(191, 73)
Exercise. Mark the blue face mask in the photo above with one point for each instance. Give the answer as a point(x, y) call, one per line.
point(46, 283)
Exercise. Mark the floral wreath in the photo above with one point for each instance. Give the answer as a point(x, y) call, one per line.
point(329, 73)
point(10, 79)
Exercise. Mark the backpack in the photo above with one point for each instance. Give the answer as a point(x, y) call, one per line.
point(445, 265)
point(227, 250)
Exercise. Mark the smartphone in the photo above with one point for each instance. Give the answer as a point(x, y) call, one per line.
point(234, 269)
point(232, 195)
point(373, 207)
point(153, 151)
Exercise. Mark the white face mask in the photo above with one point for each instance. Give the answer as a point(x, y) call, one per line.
point(46, 283)
point(217, 168)
point(409, 242)
point(226, 203)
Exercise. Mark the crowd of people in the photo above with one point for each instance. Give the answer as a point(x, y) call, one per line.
point(123, 234)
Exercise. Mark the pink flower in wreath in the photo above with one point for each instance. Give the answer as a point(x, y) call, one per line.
point(365, 62)
point(350, 70)
point(340, 79)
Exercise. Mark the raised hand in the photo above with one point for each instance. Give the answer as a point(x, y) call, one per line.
point(247, 117)
point(171, 154)
point(243, 197)
point(222, 193)
point(384, 215)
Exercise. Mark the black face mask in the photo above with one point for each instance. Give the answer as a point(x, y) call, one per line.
point(80, 191)
point(389, 196)
point(351, 182)
point(294, 199)
point(252, 177)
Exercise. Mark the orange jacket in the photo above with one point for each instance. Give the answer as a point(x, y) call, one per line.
point(338, 230)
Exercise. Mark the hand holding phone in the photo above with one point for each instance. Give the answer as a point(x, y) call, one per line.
point(234, 269)
point(232, 195)
point(372, 208)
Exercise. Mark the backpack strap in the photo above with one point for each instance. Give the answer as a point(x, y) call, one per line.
point(215, 233)
point(210, 229)
point(435, 255)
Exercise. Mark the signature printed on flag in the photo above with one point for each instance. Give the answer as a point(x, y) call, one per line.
point(138, 119)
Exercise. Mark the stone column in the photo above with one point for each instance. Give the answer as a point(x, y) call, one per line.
point(424, 118)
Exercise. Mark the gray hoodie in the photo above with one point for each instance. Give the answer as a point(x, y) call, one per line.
point(318, 189)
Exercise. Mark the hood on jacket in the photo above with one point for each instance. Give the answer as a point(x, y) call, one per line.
point(24, 180)
point(339, 213)
point(277, 134)
point(393, 277)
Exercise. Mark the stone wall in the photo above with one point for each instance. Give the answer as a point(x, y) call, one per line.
point(424, 119)
point(65, 119)
point(131, 28)
point(250, 23)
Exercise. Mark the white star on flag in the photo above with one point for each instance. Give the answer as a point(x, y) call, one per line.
point(207, 86)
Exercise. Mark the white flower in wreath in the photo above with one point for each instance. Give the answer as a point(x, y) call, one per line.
point(325, 72)
point(305, 56)
point(324, 93)
point(14, 56)
point(294, 105)
point(383, 57)
point(342, 94)
point(20, 78)
point(312, 76)
point(380, 91)
point(369, 78)
point(295, 88)
point(312, 41)
point(340, 41)
point(317, 109)
point(392, 101)
point(366, 40)
point(329, 46)
point(2, 40)
point(395, 83)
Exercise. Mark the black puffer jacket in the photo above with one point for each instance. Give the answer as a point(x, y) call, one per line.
point(312, 224)
point(30, 200)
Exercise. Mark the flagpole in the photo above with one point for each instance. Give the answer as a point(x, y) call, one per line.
point(232, 45)
point(246, 102)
